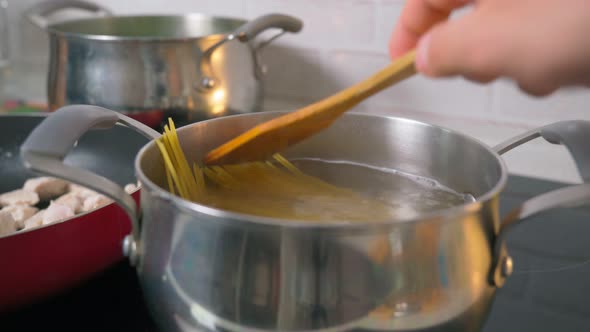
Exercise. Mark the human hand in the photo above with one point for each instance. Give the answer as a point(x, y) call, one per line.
point(541, 44)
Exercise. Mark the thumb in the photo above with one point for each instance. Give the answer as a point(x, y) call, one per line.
point(462, 47)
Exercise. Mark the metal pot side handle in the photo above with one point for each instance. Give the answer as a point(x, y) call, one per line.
point(247, 32)
point(48, 144)
point(37, 14)
point(251, 29)
point(575, 136)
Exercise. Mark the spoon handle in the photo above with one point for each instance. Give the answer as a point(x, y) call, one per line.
point(342, 101)
point(274, 135)
point(397, 71)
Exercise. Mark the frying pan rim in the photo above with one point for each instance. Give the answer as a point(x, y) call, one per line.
point(223, 215)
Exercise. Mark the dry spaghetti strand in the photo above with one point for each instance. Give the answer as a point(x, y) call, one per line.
point(171, 169)
point(272, 189)
point(181, 162)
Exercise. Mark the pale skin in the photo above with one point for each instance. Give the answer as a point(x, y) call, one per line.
point(543, 45)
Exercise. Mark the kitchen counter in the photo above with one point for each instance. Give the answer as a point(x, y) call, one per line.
point(547, 292)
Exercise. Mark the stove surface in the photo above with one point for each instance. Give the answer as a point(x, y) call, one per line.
point(547, 292)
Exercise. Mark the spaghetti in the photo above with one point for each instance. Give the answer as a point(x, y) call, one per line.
point(273, 188)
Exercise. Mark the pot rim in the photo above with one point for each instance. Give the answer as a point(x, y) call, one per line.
point(58, 28)
point(220, 215)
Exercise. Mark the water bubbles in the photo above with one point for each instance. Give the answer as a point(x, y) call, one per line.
point(407, 195)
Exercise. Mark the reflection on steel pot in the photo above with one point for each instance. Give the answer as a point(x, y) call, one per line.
point(212, 270)
point(192, 67)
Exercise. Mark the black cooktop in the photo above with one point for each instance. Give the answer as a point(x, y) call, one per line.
point(549, 290)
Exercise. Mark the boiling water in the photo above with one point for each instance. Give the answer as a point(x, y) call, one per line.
point(356, 193)
point(407, 195)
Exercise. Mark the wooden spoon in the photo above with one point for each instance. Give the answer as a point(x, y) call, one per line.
point(277, 134)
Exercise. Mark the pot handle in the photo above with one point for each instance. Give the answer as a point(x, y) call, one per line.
point(574, 135)
point(251, 29)
point(48, 144)
point(247, 32)
point(37, 14)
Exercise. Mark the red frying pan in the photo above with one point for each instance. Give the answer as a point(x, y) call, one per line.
point(40, 262)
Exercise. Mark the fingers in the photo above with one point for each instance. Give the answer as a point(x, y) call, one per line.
point(494, 41)
point(469, 46)
point(475, 48)
point(417, 17)
point(537, 89)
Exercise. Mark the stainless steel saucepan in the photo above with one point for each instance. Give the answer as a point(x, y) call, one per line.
point(210, 270)
point(191, 67)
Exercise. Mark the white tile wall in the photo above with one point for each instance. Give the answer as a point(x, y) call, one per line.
point(328, 23)
point(218, 7)
point(302, 77)
point(342, 42)
point(388, 12)
point(512, 105)
point(448, 96)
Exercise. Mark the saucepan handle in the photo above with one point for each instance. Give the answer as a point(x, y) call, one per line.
point(48, 144)
point(245, 33)
point(251, 29)
point(574, 135)
point(38, 13)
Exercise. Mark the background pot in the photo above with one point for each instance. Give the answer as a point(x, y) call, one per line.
point(191, 67)
point(206, 269)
